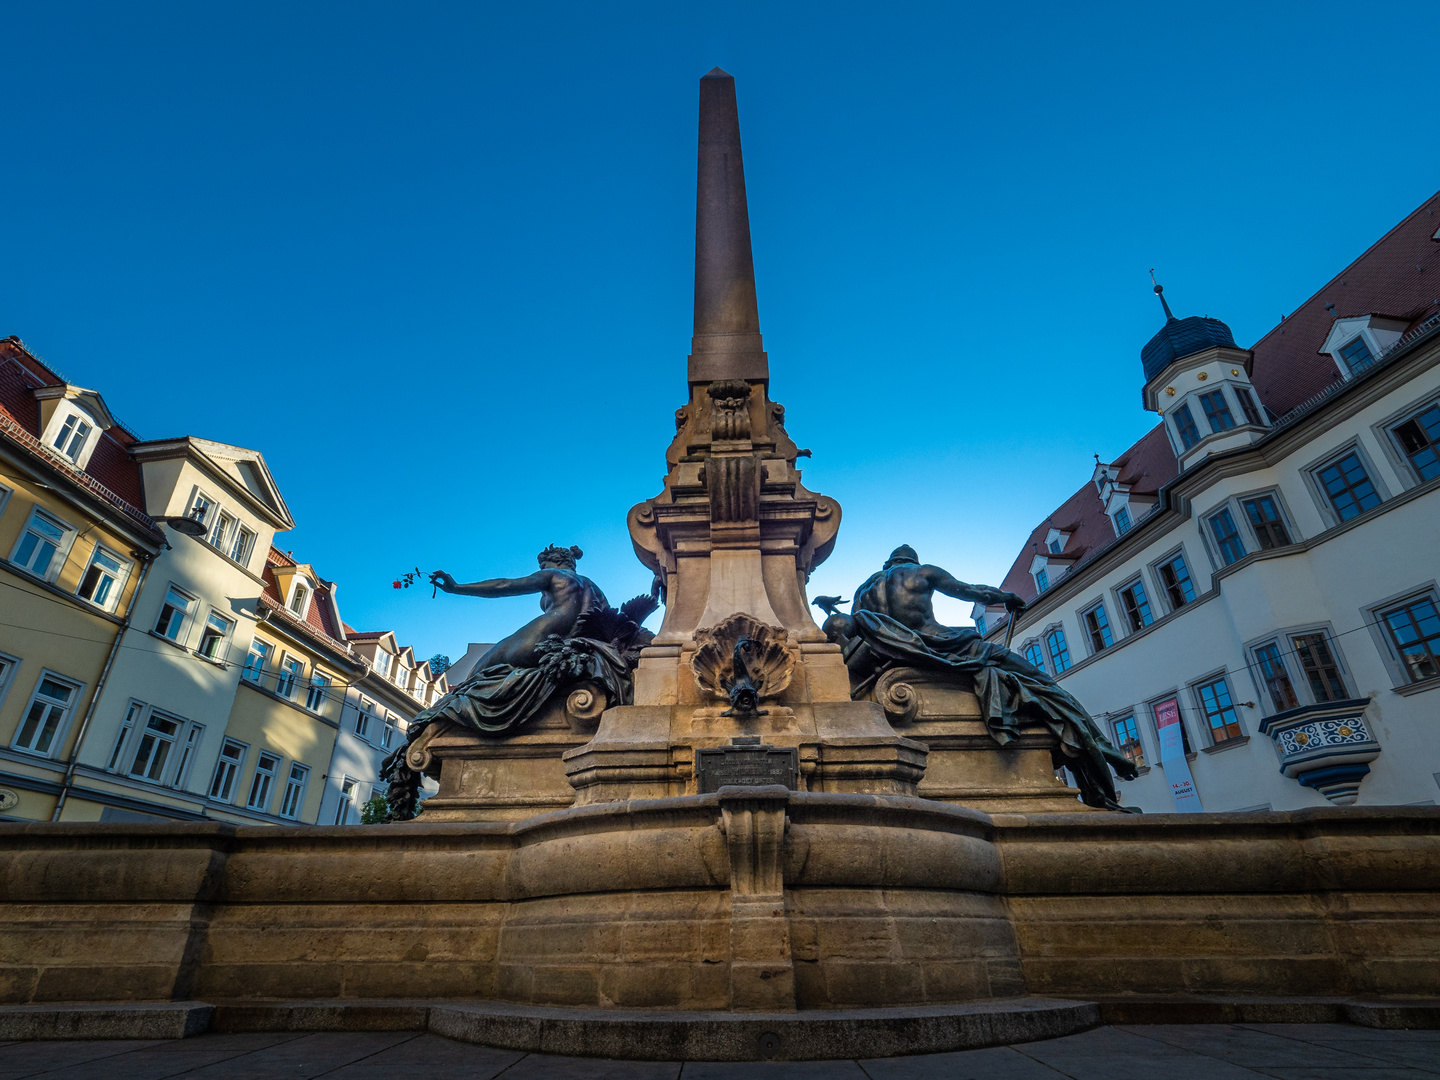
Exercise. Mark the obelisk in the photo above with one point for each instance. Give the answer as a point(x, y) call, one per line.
point(727, 341)
point(733, 536)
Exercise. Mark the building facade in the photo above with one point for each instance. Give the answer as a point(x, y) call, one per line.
point(1247, 597)
point(160, 658)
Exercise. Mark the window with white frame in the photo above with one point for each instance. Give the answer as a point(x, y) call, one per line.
point(201, 507)
point(387, 736)
point(262, 784)
point(363, 717)
point(1122, 521)
point(158, 740)
point(242, 544)
point(1042, 579)
point(8, 666)
point(103, 578)
point(1347, 486)
point(1357, 355)
point(73, 435)
point(193, 734)
point(1127, 738)
point(1135, 605)
point(1319, 666)
point(1413, 627)
point(1034, 654)
point(227, 770)
point(5, 494)
point(42, 539)
point(1227, 536)
point(319, 691)
point(47, 715)
point(402, 675)
point(1097, 628)
point(133, 712)
point(1175, 576)
point(292, 671)
point(220, 531)
point(256, 661)
point(1264, 514)
point(1059, 650)
point(382, 661)
point(213, 637)
point(1419, 438)
point(299, 598)
point(1218, 709)
point(294, 798)
point(345, 809)
point(1248, 407)
point(1275, 674)
point(174, 612)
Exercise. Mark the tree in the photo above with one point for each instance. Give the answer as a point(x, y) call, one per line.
point(375, 811)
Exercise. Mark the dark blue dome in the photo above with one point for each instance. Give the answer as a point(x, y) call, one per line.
point(1179, 338)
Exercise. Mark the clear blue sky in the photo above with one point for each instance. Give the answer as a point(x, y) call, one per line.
point(435, 261)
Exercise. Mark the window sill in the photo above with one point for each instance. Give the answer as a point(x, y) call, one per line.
point(169, 641)
point(287, 701)
point(1420, 687)
point(1228, 744)
point(221, 664)
point(50, 587)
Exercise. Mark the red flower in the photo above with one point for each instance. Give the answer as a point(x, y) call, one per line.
point(395, 584)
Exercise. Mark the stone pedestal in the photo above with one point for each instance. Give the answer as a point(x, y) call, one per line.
point(507, 777)
point(648, 751)
point(965, 764)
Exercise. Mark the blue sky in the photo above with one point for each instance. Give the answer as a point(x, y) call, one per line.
point(435, 261)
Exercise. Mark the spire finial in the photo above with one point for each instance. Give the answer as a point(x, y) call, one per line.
point(1160, 292)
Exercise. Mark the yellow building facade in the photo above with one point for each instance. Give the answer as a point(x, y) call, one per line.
point(160, 658)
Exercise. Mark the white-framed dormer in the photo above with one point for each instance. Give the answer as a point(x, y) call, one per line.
point(1055, 540)
point(297, 585)
point(72, 420)
point(1356, 343)
point(1040, 572)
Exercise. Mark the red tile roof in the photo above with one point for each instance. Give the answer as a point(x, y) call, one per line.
point(1399, 275)
point(111, 472)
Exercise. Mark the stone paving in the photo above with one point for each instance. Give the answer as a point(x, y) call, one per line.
point(1151, 1052)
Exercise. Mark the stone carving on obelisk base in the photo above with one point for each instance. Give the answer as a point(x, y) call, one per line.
point(744, 661)
point(898, 655)
point(578, 649)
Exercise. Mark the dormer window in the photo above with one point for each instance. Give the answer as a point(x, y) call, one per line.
point(1122, 521)
point(1358, 342)
point(1042, 579)
point(1356, 355)
point(382, 661)
point(72, 437)
point(300, 599)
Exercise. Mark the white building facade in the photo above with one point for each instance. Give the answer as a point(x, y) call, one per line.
point(1261, 572)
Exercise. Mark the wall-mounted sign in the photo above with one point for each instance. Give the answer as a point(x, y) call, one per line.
point(9, 799)
point(1172, 757)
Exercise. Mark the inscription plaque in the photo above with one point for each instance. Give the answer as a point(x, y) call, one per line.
point(748, 764)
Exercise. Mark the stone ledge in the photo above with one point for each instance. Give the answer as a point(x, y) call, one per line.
point(725, 1036)
point(1393, 1014)
point(130, 1020)
point(714, 1036)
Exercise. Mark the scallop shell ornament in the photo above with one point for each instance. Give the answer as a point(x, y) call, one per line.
point(767, 660)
